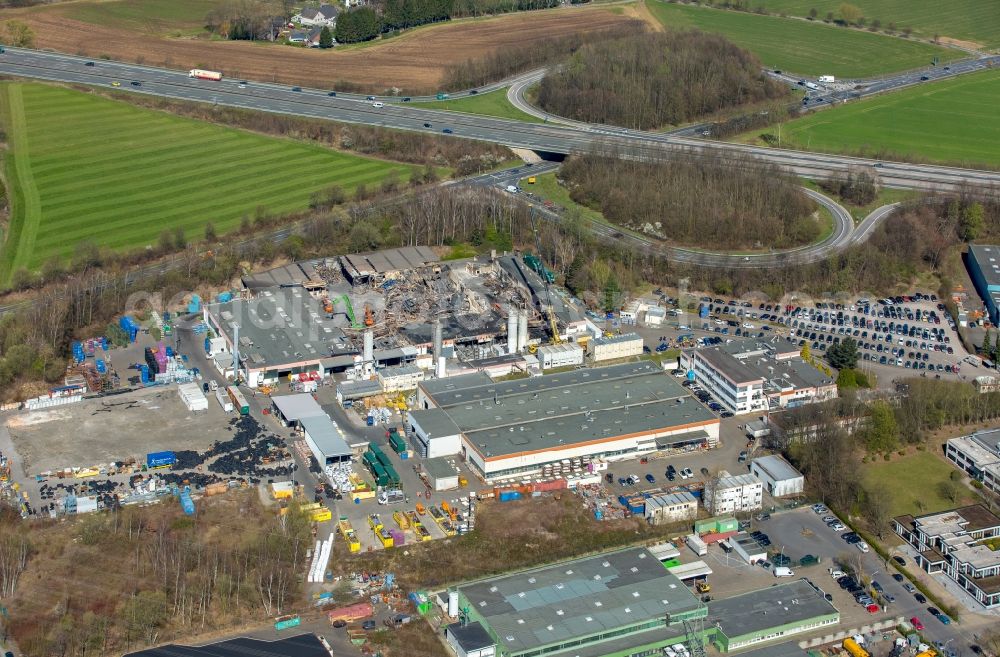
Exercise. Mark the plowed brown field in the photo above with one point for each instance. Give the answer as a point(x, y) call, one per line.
point(413, 62)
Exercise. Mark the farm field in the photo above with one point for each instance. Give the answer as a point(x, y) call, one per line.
point(803, 47)
point(494, 103)
point(162, 17)
point(414, 62)
point(951, 121)
point(915, 482)
point(84, 168)
point(973, 21)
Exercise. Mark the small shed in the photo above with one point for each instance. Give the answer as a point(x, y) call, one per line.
point(757, 429)
point(441, 475)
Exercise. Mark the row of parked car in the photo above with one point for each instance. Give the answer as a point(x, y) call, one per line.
point(706, 398)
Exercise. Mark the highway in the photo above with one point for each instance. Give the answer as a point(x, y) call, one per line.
point(546, 137)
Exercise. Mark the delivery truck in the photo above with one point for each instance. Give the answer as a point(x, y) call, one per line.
point(201, 74)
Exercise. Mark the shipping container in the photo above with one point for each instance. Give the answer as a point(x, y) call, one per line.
point(160, 460)
point(239, 401)
point(286, 622)
point(224, 401)
point(352, 613)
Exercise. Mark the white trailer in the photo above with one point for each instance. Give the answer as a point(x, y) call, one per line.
point(224, 401)
point(826, 79)
point(697, 545)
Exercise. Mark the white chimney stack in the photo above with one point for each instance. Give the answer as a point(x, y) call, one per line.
point(513, 344)
point(522, 331)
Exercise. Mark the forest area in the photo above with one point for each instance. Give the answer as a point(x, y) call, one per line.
point(656, 79)
point(731, 202)
point(111, 582)
point(512, 60)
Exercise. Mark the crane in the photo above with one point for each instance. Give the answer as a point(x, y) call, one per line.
point(545, 280)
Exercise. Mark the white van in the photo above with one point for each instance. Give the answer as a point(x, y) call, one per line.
point(782, 571)
point(377, 105)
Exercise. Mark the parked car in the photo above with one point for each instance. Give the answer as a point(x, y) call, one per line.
point(917, 625)
point(651, 479)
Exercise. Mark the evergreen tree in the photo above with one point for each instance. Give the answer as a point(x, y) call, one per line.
point(325, 38)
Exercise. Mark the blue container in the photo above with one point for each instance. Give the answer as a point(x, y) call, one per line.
point(144, 374)
point(208, 345)
point(638, 510)
point(187, 504)
point(104, 343)
point(598, 514)
point(160, 459)
point(509, 495)
point(170, 352)
point(101, 368)
point(194, 305)
point(403, 456)
point(225, 297)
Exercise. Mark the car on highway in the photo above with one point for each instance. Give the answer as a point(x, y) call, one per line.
point(296, 88)
point(242, 84)
point(370, 98)
point(406, 99)
point(473, 92)
point(378, 105)
point(116, 83)
point(447, 131)
point(136, 83)
point(332, 94)
point(917, 625)
point(427, 125)
point(89, 64)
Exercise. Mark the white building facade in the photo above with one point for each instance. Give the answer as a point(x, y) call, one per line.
point(731, 493)
point(778, 476)
point(560, 355)
point(619, 346)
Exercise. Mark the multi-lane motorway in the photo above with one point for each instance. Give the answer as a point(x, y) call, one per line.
point(544, 137)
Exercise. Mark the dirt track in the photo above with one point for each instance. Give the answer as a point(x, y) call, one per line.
point(414, 62)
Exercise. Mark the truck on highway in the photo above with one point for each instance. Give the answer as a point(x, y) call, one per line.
point(202, 74)
point(812, 85)
point(827, 78)
point(442, 96)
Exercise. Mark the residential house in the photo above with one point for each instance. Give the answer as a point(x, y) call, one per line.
point(325, 15)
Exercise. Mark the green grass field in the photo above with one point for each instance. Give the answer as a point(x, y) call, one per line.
point(804, 47)
point(85, 168)
point(494, 103)
point(169, 17)
point(952, 121)
point(914, 481)
point(969, 20)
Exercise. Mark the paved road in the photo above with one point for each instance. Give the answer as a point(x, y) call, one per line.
point(539, 137)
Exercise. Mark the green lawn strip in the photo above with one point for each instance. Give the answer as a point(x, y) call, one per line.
point(886, 196)
point(118, 175)
point(969, 20)
point(950, 121)
point(914, 482)
point(806, 47)
point(494, 103)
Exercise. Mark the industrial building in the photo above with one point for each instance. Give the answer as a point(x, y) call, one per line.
point(470, 640)
point(729, 493)
point(747, 547)
point(670, 508)
point(326, 441)
point(954, 543)
point(507, 429)
point(281, 333)
point(625, 345)
point(560, 355)
point(979, 455)
point(769, 615)
point(778, 476)
point(984, 269)
point(398, 379)
point(757, 375)
point(620, 603)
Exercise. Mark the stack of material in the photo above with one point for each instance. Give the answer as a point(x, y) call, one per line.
point(192, 397)
point(321, 556)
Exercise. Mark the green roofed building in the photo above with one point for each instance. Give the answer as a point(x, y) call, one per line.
point(612, 605)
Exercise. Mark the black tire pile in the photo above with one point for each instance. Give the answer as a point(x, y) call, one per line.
point(241, 455)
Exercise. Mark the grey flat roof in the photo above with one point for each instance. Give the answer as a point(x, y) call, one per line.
point(439, 468)
point(434, 422)
point(294, 273)
point(600, 425)
point(295, 407)
point(471, 636)
point(672, 633)
point(465, 389)
point(615, 339)
point(359, 389)
point(575, 599)
point(987, 256)
point(988, 439)
point(281, 327)
point(326, 436)
point(792, 602)
point(303, 645)
point(777, 468)
point(391, 260)
point(729, 365)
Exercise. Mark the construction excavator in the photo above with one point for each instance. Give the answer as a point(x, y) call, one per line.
point(369, 316)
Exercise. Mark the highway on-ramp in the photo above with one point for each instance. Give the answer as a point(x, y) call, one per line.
point(544, 137)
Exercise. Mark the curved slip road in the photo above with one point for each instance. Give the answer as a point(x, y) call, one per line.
point(405, 116)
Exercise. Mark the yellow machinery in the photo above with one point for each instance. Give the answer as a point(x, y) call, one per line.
point(702, 586)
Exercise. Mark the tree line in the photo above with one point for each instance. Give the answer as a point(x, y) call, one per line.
point(369, 21)
point(656, 79)
point(511, 60)
point(728, 202)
